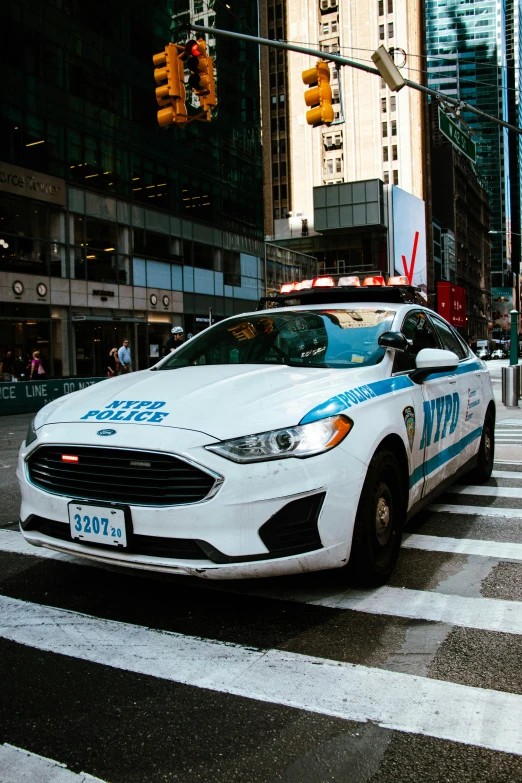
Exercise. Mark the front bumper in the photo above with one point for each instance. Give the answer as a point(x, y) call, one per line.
point(228, 523)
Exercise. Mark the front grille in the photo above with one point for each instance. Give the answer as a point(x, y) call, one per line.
point(154, 546)
point(119, 475)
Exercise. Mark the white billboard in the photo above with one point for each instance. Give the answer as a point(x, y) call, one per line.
point(409, 238)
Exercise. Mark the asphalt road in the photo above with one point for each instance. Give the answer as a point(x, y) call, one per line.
point(132, 678)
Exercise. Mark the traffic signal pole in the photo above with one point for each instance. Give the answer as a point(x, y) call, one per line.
point(461, 105)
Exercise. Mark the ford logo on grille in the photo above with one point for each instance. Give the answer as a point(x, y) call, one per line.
point(106, 432)
point(140, 464)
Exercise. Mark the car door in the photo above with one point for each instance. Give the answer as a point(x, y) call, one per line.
point(436, 410)
point(471, 394)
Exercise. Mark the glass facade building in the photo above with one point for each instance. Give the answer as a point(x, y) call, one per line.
point(112, 226)
point(467, 59)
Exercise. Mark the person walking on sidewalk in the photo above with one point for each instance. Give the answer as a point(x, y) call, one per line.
point(113, 364)
point(37, 369)
point(124, 355)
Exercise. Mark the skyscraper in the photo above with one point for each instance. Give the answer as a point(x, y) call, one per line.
point(468, 52)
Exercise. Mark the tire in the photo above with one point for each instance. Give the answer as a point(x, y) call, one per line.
point(378, 523)
point(486, 454)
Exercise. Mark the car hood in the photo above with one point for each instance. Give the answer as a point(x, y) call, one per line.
point(223, 401)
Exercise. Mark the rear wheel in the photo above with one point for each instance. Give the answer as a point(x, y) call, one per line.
point(378, 523)
point(486, 454)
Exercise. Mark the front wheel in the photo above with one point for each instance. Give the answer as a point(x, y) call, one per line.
point(486, 454)
point(378, 523)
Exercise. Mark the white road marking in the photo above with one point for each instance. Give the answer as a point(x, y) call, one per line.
point(483, 613)
point(477, 511)
point(21, 766)
point(509, 474)
point(402, 702)
point(508, 462)
point(464, 546)
point(490, 492)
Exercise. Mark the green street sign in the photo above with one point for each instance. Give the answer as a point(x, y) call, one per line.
point(457, 137)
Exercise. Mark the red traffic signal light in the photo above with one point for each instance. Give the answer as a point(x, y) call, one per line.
point(320, 96)
point(201, 79)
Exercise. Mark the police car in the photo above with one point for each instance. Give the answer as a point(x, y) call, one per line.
point(299, 437)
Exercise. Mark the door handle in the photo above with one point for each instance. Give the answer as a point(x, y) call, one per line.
point(452, 383)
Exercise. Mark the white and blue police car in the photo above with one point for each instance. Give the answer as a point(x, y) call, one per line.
point(299, 437)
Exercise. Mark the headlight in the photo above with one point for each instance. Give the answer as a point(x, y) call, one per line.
point(31, 434)
point(301, 441)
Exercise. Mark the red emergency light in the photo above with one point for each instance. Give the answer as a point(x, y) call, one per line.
point(70, 458)
point(375, 280)
point(323, 282)
point(399, 280)
point(287, 288)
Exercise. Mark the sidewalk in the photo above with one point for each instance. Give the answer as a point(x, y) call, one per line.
point(507, 419)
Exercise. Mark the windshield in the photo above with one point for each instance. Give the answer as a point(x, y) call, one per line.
point(313, 338)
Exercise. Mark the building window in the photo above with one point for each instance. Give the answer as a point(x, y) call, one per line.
point(383, 84)
point(395, 177)
point(337, 114)
point(335, 74)
point(329, 166)
point(283, 192)
point(338, 165)
point(276, 214)
point(385, 154)
point(338, 140)
point(394, 152)
point(328, 142)
point(232, 267)
point(334, 27)
point(381, 7)
point(326, 28)
point(325, 47)
point(281, 99)
point(282, 169)
point(275, 171)
point(381, 32)
point(198, 6)
point(383, 105)
point(390, 29)
point(390, 6)
point(386, 177)
point(384, 130)
point(394, 127)
point(275, 193)
point(273, 101)
point(335, 96)
point(393, 103)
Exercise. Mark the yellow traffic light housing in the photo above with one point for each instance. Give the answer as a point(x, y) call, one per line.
point(171, 94)
point(201, 78)
point(320, 96)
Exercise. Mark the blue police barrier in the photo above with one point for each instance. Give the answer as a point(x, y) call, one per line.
point(30, 396)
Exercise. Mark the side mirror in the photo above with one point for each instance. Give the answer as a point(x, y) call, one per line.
point(431, 360)
point(396, 341)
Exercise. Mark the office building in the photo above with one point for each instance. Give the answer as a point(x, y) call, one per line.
point(472, 57)
point(376, 135)
point(112, 227)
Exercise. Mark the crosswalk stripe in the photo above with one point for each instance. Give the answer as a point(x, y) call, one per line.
point(477, 511)
point(397, 701)
point(491, 492)
point(481, 613)
point(17, 766)
point(487, 614)
point(464, 546)
point(507, 474)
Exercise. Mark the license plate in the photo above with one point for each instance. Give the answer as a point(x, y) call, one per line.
point(98, 524)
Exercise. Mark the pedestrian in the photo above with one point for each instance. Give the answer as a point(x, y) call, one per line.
point(8, 367)
point(176, 339)
point(113, 364)
point(124, 355)
point(37, 369)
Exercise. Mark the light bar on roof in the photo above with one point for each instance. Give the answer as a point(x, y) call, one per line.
point(375, 280)
point(287, 288)
point(398, 280)
point(323, 282)
point(349, 281)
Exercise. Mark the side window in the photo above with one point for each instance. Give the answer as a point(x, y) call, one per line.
point(449, 339)
point(421, 334)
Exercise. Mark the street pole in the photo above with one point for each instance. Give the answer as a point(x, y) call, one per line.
point(460, 105)
point(513, 346)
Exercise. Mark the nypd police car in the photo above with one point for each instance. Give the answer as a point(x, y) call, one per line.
point(299, 437)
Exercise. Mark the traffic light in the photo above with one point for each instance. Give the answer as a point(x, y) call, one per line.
point(171, 94)
point(201, 78)
point(320, 96)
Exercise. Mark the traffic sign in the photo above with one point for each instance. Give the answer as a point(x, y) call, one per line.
point(457, 137)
